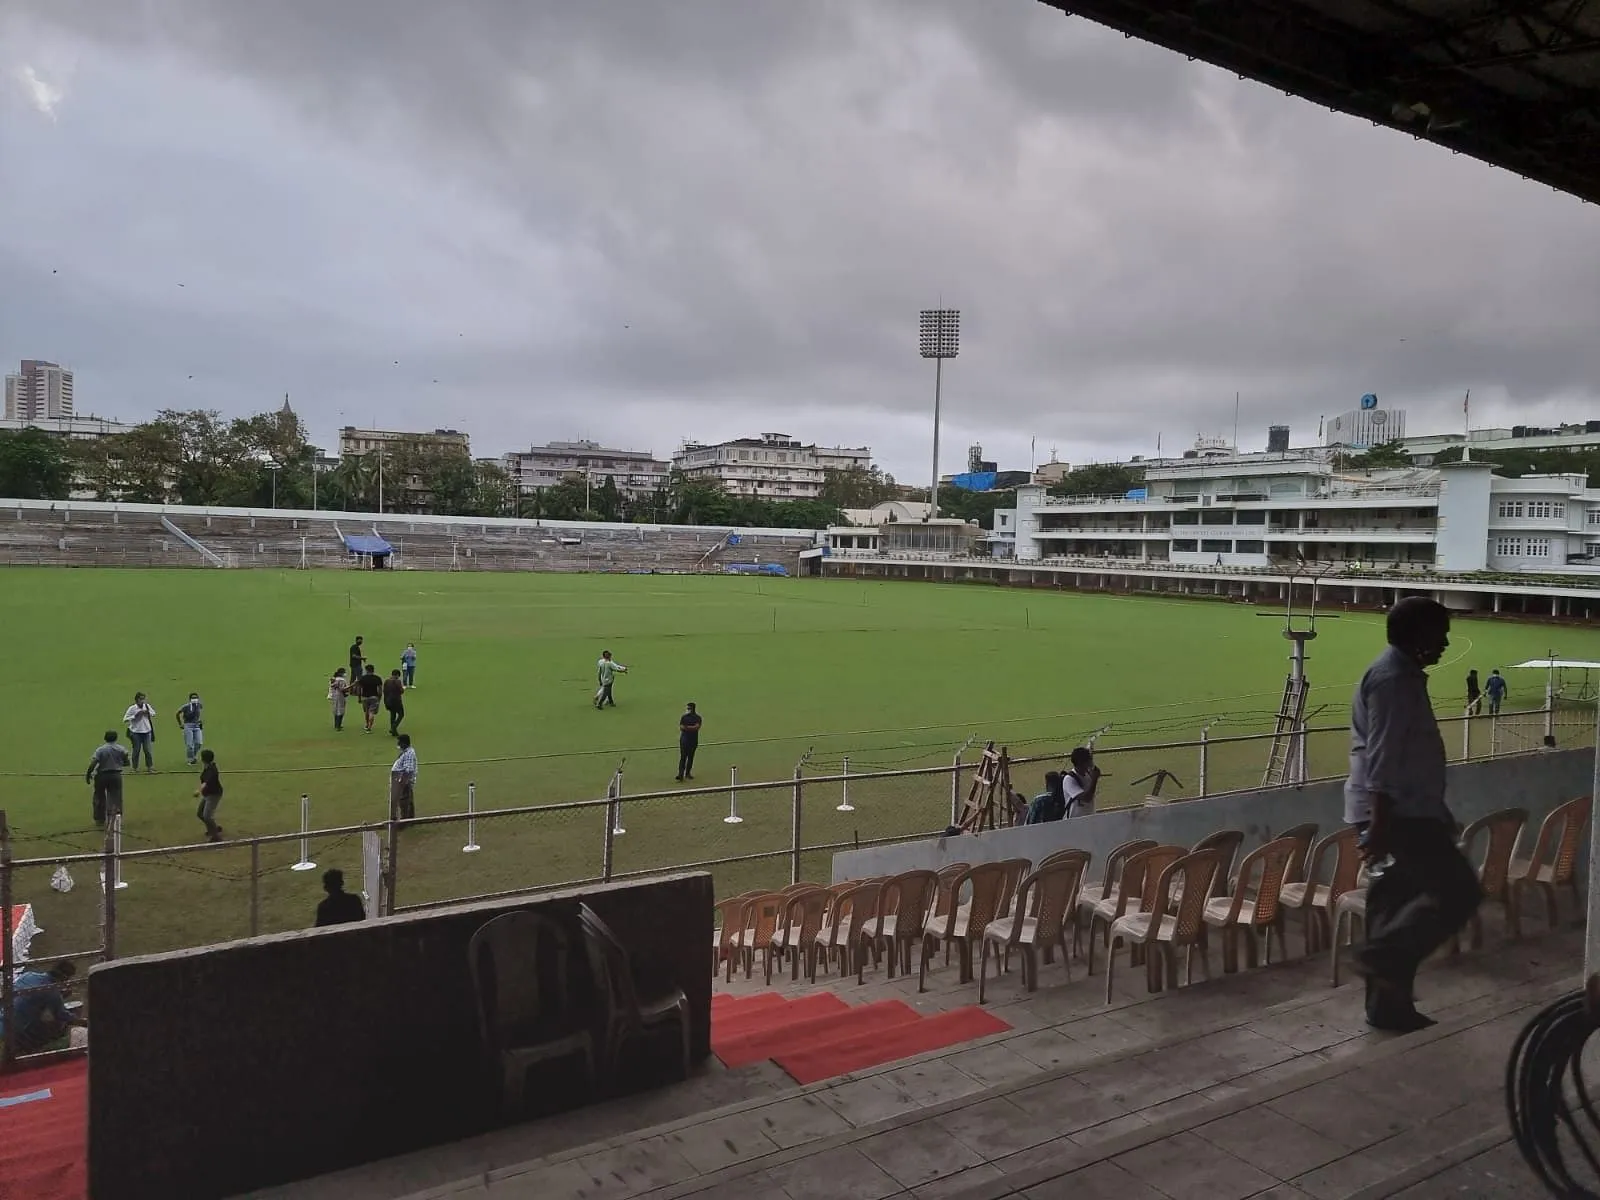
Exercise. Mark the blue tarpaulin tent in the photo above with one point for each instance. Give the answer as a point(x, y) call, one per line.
point(367, 543)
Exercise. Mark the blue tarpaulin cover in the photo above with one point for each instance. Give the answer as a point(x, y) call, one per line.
point(366, 543)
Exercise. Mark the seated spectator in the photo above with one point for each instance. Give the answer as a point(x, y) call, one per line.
point(339, 907)
point(1081, 783)
point(42, 1015)
point(1050, 804)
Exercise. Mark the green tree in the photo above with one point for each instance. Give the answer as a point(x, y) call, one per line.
point(1385, 455)
point(34, 465)
point(857, 487)
point(1099, 479)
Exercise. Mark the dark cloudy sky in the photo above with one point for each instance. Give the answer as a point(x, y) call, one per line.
point(642, 221)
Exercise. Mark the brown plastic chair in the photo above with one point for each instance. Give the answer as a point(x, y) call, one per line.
point(1016, 868)
point(1175, 917)
point(1303, 836)
point(841, 931)
point(904, 905)
point(1347, 910)
point(1253, 909)
point(963, 925)
point(518, 1024)
point(1555, 860)
point(949, 895)
point(729, 914)
point(628, 1017)
point(1313, 899)
point(1135, 891)
point(1500, 832)
point(1039, 918)
point(1227, 842)
point(797, 932)
point(1104, 888)
point(757, 923)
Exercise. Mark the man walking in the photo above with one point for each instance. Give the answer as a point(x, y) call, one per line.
point(340, 907)
point(105, 772)
point(1422, 888)
point(193, 731)
point(210, 795)
point(394, 700)
point(1495, 689)
point(688, 742)
point(606, 672)
point(403, 781)
point(370, 688)
point(141, 722)
point(338, 693)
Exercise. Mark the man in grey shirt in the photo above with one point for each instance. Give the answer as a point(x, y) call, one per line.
point(1422, 890)
point(105, 772)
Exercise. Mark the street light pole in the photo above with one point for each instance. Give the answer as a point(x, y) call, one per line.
point(940, 339)
point(273, 469)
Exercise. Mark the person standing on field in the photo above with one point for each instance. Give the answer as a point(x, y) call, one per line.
point(408, 664)
point(1495, 688)
point(193, 730)
point(141, 722)
point(403, 782)
point(1474, 694)
point(338, 696)
point(688, 742)
point(394, 700)
point(209, 794)
point(105, 772)
point(358, 659)
point(1422, 889)
point(370, 688)
point(606, 672)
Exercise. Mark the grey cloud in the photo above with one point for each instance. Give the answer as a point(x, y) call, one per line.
point(712, 216)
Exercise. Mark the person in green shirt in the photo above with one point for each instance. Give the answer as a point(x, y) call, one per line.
point(606, 671)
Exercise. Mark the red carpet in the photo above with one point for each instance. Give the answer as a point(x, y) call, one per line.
point(44, 1140)
point(820, 1036)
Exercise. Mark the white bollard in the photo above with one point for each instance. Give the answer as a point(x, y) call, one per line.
point(305, 863)
point(118, 882)
point(472, 846)
point(733, 817)
point(844, 803)
point(616, 805)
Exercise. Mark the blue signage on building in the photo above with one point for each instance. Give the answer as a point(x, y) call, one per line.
point(1369, 401)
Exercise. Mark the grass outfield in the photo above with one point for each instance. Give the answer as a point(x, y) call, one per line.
point(892, 674)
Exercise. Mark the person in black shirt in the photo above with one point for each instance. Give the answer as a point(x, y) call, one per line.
point(394, 701)
point(688, 742)
point(210, 794)
point(370, 688)
point(358, 659)
point(340, 907)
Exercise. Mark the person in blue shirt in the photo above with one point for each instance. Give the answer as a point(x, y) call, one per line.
point(42, 1016)
point(408, 665)
point(1495, 689)
point(1050, 804)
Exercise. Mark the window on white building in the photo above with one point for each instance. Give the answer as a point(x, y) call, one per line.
point(1511, 508)
point(1539, 510)
point(1538, 547)
point(1508, 547)
point(1594, 516)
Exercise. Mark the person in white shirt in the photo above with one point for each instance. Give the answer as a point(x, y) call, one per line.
point(141, 722)
point(605, 673)
point(403, 781)
point(1081, 783)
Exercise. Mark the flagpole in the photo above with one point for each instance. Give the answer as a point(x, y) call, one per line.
point(1466, 419)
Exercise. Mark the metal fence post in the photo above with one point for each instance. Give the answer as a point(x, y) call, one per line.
point(255, 886)
point(8, 979)
point(391, 869)
point(955, 786)
point(108, 892)
point(608, 843)
point(1550, 720)
point(794, 843)
point(1466, 736)
point(1205, 758)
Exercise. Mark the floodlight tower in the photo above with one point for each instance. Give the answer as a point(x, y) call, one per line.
point(941, 339)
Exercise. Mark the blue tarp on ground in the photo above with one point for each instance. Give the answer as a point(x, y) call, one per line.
point(366, 543)
point(755, 568)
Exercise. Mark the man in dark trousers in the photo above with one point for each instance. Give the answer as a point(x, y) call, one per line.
point(340, 907)
point(688, 742)
point(394, 700)
point(1422, 890)
point(105, 772)
point(358, 659)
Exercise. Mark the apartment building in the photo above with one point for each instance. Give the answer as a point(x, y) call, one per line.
point(773, 466)
point(39, 391)
point(637, 474)
point(353, 441)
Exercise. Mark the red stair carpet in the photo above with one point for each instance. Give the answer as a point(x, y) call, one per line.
point(819, 1036)
point(44, 1127)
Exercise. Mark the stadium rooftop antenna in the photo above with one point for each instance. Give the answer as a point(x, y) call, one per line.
point(1287, 760)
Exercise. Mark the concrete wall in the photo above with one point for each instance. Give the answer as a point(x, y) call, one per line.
point(239, 1066)
point(1537, 782)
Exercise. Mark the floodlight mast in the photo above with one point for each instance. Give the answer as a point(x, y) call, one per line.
point(940, 330)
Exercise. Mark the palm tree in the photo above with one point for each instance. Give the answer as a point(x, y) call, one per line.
point(357, 474)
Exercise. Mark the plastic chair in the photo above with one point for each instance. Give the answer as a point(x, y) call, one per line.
point(1313, 899)
point(1039, 919)
point(729, 915)
point(1174, 918)
point(803, 913)
point(841, 929)
point(1253, 909)
point(1500, 833)
point(757, 923)
point(1347, 910)
point(1135, 890)
point(628, 1017)
point(518, 1024)
point(1555, 859)
point(904, 904)
point(1092, 894)
point(964, 925)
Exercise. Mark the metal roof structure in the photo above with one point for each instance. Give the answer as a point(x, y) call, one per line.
point(1515, 83)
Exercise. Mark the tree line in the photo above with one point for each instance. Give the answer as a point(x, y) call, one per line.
point(198, 457)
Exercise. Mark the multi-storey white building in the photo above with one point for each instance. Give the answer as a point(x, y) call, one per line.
point(774, 466)
point(636, 473)
point(39, 391)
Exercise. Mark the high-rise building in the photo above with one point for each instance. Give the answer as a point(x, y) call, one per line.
point(40, 391)
point(636, 473)
point(1367, 426)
